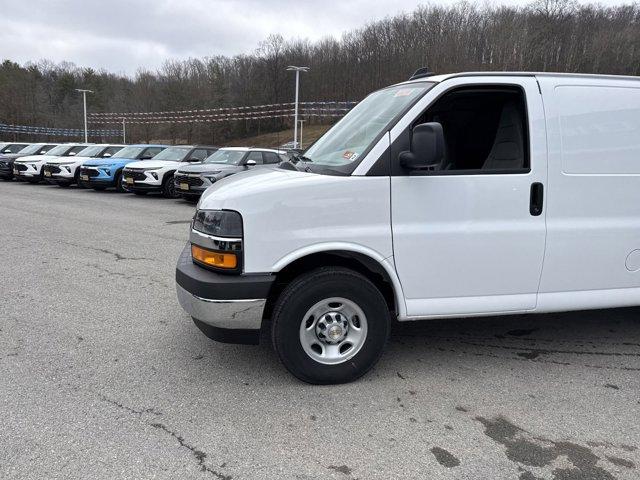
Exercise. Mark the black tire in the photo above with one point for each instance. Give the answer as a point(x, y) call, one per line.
point(119, 187)
point(306, 291)
point(139, 192)
point(169, 188)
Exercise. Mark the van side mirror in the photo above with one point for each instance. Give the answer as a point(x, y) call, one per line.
point(250, 163)
point(427, 148)
point(106, 155)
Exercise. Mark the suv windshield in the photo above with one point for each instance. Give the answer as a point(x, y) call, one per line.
point(339, 150)
point(35, 148)
point(13, 148)
point(128, 152)
point(230, 157)
point(91, 151)
point(173, 154)
point(60, 150)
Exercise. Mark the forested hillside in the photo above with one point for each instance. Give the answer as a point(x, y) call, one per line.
point(549, 35)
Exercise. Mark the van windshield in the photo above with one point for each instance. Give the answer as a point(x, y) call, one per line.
point(340, 149)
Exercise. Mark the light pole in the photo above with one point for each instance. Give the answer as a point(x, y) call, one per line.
point(124, 132)
point(84, 100)
point(295, 123)
point(301, 127)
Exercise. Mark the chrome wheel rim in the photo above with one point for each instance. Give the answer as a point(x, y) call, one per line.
point(333, 330)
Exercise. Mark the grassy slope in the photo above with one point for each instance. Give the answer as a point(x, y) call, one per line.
point(310, 134)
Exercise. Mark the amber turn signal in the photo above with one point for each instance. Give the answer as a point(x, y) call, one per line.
point(214, 259)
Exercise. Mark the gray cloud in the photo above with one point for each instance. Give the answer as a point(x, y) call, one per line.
point(122, 36)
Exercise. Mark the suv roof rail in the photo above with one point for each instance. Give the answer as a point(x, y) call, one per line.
point(422, 73)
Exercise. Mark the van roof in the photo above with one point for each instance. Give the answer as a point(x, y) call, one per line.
point(443, 77)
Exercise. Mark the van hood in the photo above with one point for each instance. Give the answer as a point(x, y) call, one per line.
point(227, 192)
point(209, 167)
point(154, 164)
point(103, 162)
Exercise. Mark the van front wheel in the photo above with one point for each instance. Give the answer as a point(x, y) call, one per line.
point(330, 326)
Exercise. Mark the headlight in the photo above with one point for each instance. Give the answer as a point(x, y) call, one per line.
point(220, 223)
point(216, 240)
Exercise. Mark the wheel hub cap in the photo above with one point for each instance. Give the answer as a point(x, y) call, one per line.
point(333, 330)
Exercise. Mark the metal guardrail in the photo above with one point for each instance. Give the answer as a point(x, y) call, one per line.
point(58, 132)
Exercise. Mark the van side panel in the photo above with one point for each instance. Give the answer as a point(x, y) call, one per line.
point(593, 193)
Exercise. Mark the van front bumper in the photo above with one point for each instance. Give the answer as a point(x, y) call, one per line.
point(227, 308)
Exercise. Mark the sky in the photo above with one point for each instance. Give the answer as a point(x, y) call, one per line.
point(123, 36)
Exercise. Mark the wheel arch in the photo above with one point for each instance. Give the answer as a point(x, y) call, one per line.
point(373, 266)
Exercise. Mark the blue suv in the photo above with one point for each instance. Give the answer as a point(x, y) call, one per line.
point(103, 173)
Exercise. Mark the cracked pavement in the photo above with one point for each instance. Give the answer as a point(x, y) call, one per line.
point(103, 376)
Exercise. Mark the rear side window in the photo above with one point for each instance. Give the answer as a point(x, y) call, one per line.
point(151, 152)
point(270, 157)
point(199, 154)
point(599, 129)
point(110, 151)
point(255, 156)
point(75, 150)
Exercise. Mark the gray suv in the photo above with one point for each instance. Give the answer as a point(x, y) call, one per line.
point(192, 180)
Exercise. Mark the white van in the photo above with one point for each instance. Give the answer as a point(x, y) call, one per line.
point(445, 196)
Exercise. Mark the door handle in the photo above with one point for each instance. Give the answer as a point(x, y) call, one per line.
point(536, 199)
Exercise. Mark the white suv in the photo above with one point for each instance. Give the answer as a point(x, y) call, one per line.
point(156, 175)
point(65, 171)
point(30, 168)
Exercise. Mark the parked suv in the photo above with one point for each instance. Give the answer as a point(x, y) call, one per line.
point(192, 180)
point(29, 168)
point(157, 175)
point(445, 196)
point(104, 173)
point(65, 171)
point(7, 159)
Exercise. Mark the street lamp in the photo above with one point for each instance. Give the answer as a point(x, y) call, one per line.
point(295, 123)
point(301, 127)
point(84, 100)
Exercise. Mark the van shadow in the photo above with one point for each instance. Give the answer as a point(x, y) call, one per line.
point(599, 339)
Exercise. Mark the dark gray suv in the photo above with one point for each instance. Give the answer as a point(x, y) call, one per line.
point(192, 180)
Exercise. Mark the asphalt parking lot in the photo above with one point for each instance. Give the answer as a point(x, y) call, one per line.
point(102, 375)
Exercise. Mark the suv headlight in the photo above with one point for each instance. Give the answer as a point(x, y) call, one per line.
point(216, 239)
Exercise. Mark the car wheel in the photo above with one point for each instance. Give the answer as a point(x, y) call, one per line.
point(330, 326)
point(119, 186)
point(169, 188)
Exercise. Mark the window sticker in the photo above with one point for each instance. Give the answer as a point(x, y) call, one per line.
point(349, 155)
